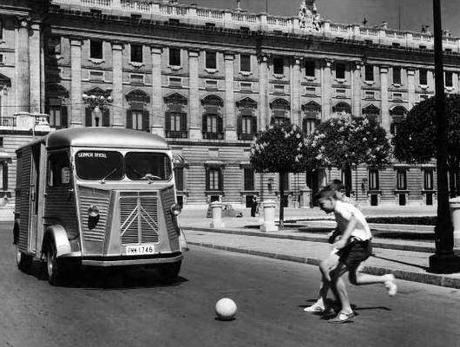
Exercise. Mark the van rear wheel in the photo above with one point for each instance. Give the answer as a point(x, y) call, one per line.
point(170, 271)
point(23, 261)
point(53, 267)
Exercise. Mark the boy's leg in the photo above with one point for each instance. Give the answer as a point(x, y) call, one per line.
point(338, 282)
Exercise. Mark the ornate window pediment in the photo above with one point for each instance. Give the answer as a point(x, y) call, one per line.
point(99, 92)
point(398, 111)
point(212, 100)
point(246, 103)
point(137, 95)
point(175, 98)
point(342, 107)
point(57, 90)
point(5, 81)
point(371, 109)
point(311, 106)
point(280, 104)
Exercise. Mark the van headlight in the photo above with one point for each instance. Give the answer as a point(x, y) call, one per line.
point(93, 211)
point(175, 209)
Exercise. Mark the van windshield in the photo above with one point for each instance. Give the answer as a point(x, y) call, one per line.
point(145, 165)
point(98, 165)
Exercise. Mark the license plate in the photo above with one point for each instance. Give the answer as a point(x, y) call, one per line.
point(140, 249)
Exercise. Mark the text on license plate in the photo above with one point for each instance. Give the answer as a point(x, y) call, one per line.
point(140, 249)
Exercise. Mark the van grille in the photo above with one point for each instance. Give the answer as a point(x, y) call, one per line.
point(138, 218)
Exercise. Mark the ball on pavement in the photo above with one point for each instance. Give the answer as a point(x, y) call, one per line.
point(225, 309)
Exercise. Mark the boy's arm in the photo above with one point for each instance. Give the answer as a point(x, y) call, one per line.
point(347, 233)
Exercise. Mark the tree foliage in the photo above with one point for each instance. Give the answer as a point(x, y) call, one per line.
point(345, 141)
point(415, 140)
point(278, 149)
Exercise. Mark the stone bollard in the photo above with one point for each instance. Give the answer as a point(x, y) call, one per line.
point(269, 216)
point(216, 209)
point(455, 215)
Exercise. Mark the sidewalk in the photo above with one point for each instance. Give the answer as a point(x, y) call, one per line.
point(305, 241)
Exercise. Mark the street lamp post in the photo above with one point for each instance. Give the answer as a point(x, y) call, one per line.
point(444, 260)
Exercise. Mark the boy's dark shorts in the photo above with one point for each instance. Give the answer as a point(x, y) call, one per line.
point(355, 253)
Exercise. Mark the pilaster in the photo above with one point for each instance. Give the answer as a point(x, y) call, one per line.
point(76, 119)
point(117, 56)
point(23, 87)
point(263, 92)
point(195, 129)
point(411, 87)
point(326, 89)
point(230, 120)
point(296, 115)
point(35, 68)
point(356, 88)
point(157, 114)
point(384, 98)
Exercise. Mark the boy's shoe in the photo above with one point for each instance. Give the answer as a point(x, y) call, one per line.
point(390, 285)
point(342, 317)
point(315, 308)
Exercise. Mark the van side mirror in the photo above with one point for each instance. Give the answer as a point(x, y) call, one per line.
point(65, 175)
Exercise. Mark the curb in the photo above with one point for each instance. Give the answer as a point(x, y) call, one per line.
point(375, 244)
point(437, 280)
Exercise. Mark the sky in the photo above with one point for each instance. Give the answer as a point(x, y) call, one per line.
point(413, 13)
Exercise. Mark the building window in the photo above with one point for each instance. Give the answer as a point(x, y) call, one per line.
point(246, 86)
point(278, 89)
point(449, 79)
point(1, 29)
point(57, 113)
point(369, 73)
point(401, 179)
point(137, 118)
point(369, 95)
point(211, 85)
point(309, 68)
point(423, 77)
point(310, 91)
point(285, 181)
point(96, 75)
point(212, 126)
point(211, 61)
point(54, 45)
point(341, 93)
point(278, 66)
point(397, 96)
point(136, 53)
point(396, 75)
point(175, 81)
point(174, 57)
point(428, 179)
point(245, 63)
point(214, 179)
point(179, 178)
point(374, 179)
point(340, 71)
point(246, 124)
point(95, 51)
point(137, 79)
point(211, 123)
point(248, 179)
point(309, 126)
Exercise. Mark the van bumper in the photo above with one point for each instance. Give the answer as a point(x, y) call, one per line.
point(107, 261)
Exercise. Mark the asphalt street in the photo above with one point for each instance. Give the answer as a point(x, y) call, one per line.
point(136, 309)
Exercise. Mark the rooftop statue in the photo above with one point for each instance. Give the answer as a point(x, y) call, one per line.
point(309, 18)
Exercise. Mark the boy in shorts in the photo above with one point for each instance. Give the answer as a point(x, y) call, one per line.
point(354, 247)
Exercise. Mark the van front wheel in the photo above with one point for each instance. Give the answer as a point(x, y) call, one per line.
point(53, 267)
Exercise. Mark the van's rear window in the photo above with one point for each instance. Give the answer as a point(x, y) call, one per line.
point(98, 165)
point(145, 165)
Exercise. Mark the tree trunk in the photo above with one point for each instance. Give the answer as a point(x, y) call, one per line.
point(281, 180)
point(348, 179)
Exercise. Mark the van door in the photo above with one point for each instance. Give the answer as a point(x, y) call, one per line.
point(37, 183)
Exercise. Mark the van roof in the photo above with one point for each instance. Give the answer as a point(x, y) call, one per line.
point(102, 137)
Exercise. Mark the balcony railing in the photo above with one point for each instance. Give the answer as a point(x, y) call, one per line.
point(25, 121)
point(8, 121)
point(246, 137)
point(176, 134)
point(213, 136)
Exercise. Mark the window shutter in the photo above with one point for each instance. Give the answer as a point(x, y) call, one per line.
point(129, 119)
point(64, 118)
point(304, 125)
point(88, 117)
point(239, 125)
point(167, 121)
point(207, 179)
point(205, 122)
point(220, 124)
point(183, 122)
point(5, 176)
point(145, 120)
point(254, 124)
point(105, 118)
point(221, 179)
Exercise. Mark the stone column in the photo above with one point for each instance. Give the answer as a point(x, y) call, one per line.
point(194, 97)
point(264, 115)
point(411, 87)
point(23, 73)
point(384, 97)
point(35, 68)
point(157, 115)
point(117, 93)
point(356, 88)
point(296, 115)
point(76, 119)
point(326, 89)
point(230, 120)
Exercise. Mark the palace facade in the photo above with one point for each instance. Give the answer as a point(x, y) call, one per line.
point(208, 80)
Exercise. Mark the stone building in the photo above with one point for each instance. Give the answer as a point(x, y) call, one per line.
point(209, 79)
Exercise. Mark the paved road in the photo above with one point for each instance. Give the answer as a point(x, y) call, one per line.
point(99, 310)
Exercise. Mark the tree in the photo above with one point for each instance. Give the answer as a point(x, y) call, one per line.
point(415, 139)
point(279, 149)
point(345, 142)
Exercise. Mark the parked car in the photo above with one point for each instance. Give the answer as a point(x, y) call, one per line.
point(227, 211)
